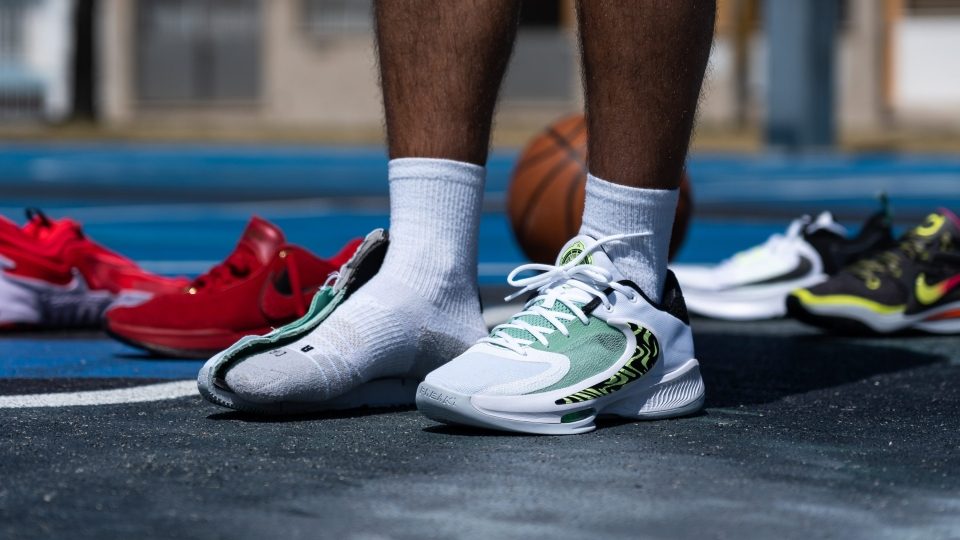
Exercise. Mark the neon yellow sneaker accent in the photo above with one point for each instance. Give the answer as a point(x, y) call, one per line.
point(928, 294)
point(932, 226)
point(809, 298)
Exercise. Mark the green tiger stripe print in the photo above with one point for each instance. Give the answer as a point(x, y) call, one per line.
point(644, 357)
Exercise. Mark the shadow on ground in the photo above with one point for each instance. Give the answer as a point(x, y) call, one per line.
point(240, 416)
point(744, 368)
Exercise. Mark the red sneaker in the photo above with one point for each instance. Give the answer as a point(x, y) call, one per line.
point(264, 283)
point(53, 276)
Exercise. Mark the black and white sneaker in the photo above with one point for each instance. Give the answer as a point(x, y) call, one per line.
point(912, 286)
point(754, 284)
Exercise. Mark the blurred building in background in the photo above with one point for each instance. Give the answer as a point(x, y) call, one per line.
point(36, 59)
point(293, 63)
point(309, 64)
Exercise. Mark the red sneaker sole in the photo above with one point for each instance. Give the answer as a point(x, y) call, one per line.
point(197, 343)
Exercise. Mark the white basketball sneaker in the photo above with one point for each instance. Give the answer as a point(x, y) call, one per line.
point(754, 284)
point(589, 344)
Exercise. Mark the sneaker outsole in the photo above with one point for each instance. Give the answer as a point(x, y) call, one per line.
point(849, 325)
point(377, 394)
point(678, 393)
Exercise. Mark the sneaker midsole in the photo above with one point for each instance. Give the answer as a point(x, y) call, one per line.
point(673, 391)
point(891, 322)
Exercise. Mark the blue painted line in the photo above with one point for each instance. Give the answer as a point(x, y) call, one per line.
point(234, 171)
point(22, 358)
point(711, 241)
point(120, 175)
point(213, 240)
point(708, 241)
point(77, 174)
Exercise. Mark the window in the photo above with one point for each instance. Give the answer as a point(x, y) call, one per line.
point(933, 7)
point(198, 50)
point(337, 17)
point(22, 89)
point(12, 15)
point(543, 65)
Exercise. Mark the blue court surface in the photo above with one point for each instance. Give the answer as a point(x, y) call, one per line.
point(847, 437)
point(179, 210)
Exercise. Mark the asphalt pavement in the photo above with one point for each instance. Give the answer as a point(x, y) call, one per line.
point(803, 436)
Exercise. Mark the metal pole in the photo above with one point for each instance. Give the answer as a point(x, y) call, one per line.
point(801, 37)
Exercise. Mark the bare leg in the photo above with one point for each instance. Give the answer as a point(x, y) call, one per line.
point(441, 64)
point(643, 64)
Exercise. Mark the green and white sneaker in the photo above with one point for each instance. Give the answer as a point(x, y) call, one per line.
point(589, 344)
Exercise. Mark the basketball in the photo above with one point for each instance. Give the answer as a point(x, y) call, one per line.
point(546, 193)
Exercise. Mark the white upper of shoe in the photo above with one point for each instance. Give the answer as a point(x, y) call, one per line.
point(512, 364)
point(778, 256)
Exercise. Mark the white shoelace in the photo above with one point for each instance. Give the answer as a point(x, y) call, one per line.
point(572, 284)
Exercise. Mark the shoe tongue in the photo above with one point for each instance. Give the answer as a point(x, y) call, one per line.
point(262, 238)
point(44, 229)
point(825, 222)
point(597, 257)
point(570, 251)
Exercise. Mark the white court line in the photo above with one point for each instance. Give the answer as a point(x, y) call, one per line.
point(138, 394)
point(164, 391)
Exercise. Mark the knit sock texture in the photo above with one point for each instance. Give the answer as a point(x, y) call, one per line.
point(421, 310)
point(614, 209)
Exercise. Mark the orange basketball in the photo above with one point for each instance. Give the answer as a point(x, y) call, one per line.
point(545, 198)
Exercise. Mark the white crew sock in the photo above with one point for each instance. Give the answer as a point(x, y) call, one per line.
point(614, 209)
point(421, 310)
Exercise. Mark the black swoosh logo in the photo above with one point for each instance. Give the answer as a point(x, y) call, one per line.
point(281, 282)
point(802, 269)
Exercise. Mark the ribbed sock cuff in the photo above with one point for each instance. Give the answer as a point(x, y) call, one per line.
point(435, 207)
point(614, 209)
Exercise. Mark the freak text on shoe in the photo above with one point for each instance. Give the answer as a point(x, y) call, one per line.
point(439, 397)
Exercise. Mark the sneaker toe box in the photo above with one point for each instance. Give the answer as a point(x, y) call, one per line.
point(482, 370)
point(276, 376)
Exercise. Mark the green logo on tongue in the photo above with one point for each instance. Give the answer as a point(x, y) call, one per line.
point(574, 251)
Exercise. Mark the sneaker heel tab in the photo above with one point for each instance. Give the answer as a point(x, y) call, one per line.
point(670, 296)
point(34, 213)
point(673, 302)
point(671, 282)
point(346, 252)
point(365, 263)
point(377, 235)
